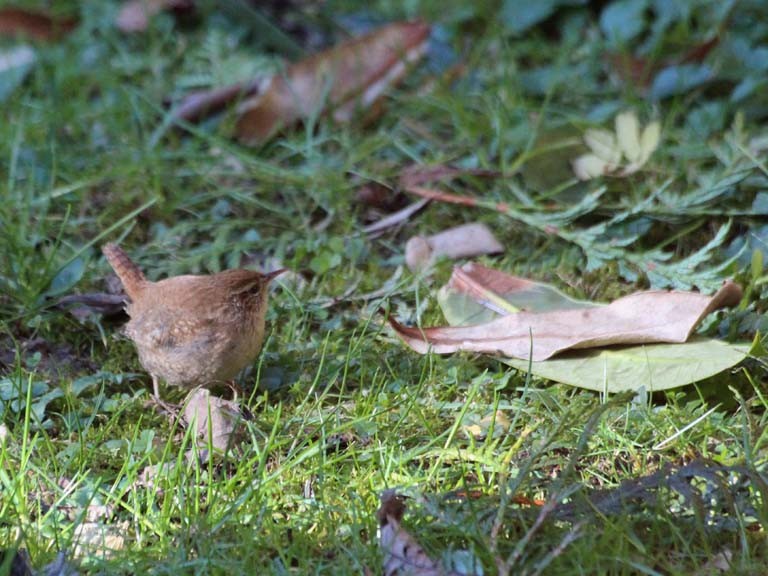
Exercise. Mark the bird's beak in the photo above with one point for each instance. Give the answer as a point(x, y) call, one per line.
point(269, 276)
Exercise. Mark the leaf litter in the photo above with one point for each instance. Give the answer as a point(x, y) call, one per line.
point(530, 323)
point(16, 21)
point(467, 240)
point(344, 80)
point(403, 555)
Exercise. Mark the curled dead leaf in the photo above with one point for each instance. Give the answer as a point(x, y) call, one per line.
point(396, 218)
point(99, 540)
point(16, 21)
point(402, 553)
point(201, 104)
point(212, 417)
point(345, 78)
point(641, 318)
point(459, 242)
point(81, 306)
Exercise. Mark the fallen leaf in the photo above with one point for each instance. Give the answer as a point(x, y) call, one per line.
point(348, 77)
point(402, 553)
point(641, 318)
point(81, 306)
point(396, 218)
point(213, 418)
point(459, 242)
point(654, 367)
point(99, 540)
point(15, 21)
point(477, 294)
point(201, 104)
point(502, 294)
point(717, 564)
point(134, 15)
point(379, 196)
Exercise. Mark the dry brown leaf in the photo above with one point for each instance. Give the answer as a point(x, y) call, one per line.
point(460, 242)
point(212, 417)
point(717, 564)
point(641, 318)
point(81, 306)
point(402, 553)
point(99, 540)
point(350, 76)
point(396, 218)
point(34, 24)
point(134, 15)
point(490, 287)
point(201, 104)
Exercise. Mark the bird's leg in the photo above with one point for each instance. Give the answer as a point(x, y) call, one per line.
point(235, 389)
point(170, 409)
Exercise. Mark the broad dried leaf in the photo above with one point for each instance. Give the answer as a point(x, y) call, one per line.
point(503, 294)
point(644, 317)
point(99, 539)
point(403, 556)
point(717, 564)
point(628, 135)
point(81, 306)
point(396, 218)
point(213, 418)
point(33, 24)
point(203, 103)
point(459, 242)
point(348, 77)
point(477, 294)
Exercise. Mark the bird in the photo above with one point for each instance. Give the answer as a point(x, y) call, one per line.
point(193, 331)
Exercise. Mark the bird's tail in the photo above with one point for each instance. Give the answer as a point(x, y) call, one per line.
point(130, 275)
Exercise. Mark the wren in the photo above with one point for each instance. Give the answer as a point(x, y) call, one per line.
point(193, 331)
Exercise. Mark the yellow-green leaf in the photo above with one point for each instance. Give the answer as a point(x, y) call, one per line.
point(628, 135)
point(603, 144)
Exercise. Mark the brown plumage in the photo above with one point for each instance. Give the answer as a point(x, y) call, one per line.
point(193, 330)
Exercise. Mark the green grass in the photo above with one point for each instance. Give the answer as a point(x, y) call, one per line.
point(342, 410)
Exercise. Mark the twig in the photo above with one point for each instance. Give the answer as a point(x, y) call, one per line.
point(396, 218)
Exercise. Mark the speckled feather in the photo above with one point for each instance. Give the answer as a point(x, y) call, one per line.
point(194, 330)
